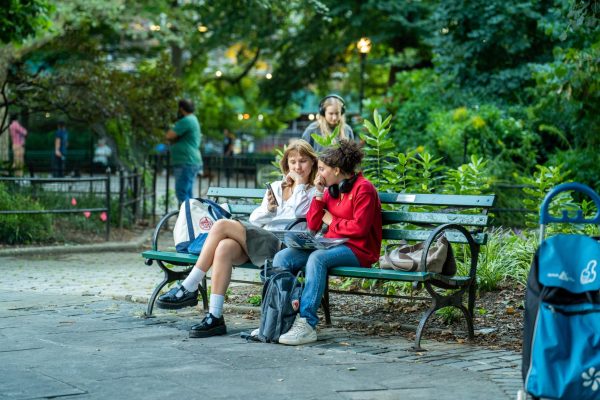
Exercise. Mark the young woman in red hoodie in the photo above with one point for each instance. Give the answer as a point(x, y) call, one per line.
point(349, 205)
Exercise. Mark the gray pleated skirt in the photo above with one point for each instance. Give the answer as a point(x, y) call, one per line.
point(261, 244)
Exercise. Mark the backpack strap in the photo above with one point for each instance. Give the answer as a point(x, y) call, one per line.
point(215, 210)
point(188, 219)
point(299, 275)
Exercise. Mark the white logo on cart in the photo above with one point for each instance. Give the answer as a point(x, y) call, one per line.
point(591, 377)
point(563, 276)
point(588, 275)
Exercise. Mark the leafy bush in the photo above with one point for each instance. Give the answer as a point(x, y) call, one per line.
point(487, 131)
point(471, 178)
point(22, 228)
point(582, 163)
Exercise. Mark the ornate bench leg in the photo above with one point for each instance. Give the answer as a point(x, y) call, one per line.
point(169, 276)
point(421, 327)
point(469, 318)
point(157, 289)
point(472, 295)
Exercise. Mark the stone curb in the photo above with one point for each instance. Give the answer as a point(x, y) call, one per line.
point(133, 245)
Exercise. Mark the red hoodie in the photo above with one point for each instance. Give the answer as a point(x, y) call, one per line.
point(356, 215)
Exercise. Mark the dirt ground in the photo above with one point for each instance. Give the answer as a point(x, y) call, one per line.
point(498, 319)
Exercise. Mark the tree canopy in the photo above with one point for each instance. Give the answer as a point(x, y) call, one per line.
point(514, 80)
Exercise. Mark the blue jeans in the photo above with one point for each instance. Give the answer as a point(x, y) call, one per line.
point(185, 175)
point(317, 263)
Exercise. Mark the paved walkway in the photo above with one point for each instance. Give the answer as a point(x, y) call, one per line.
point(72, 325)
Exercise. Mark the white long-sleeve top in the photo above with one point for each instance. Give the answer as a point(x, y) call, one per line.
point(295, 207)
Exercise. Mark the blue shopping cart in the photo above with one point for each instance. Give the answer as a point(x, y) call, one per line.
point(561, 335)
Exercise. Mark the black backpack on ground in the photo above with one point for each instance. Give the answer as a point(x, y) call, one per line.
point(280, 304)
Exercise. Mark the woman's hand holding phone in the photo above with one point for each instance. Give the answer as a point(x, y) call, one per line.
point(271, 199)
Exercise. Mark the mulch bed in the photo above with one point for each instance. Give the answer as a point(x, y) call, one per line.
point(498, 319)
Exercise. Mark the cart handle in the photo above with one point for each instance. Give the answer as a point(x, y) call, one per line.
point(546, 218)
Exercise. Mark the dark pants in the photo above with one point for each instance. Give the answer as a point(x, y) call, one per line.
point(58, 167)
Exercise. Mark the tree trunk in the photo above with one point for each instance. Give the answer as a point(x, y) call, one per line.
point(5, 57)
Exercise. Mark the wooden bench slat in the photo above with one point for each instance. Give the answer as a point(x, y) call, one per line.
point(170, 256)
point(182, 258)
point(448, 200)
point(236, 193)
point(350, 272)
point(376, 273)
point(434, 218)
point(485, 201)
point(420, 235)
point(394, 275)
point(245, 209)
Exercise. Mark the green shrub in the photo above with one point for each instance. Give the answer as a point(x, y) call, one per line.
point(22, 228)
point(487, 131)
point(583, 164)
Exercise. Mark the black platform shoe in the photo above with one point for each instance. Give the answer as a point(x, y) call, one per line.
point(170, 301)
point(210, 326)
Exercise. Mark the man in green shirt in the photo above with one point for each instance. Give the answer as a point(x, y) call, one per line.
point(185, 138)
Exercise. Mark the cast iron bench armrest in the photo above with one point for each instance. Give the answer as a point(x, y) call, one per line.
point(159, 226)
point(437, 232)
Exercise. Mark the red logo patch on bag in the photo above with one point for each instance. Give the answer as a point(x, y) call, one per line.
point(205, 223)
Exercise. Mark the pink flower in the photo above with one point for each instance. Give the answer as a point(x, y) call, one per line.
point(103, 216)
point(87, 214)
point(73, 201)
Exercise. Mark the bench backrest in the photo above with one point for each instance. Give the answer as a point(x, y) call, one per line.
point(405, 215)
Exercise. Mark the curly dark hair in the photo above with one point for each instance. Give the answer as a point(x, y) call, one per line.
point(346, 156)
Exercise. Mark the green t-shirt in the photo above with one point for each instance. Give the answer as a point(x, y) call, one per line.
point(186, 149)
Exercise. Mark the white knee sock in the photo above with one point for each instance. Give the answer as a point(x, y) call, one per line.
point(215, 306)
point(193, 279)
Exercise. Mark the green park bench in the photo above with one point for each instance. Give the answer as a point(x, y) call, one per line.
point(411, 217)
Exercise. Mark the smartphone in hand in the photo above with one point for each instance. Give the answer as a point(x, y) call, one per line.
point(269, 188)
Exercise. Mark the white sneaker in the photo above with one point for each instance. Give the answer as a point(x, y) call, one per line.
point(255, 332)
point(300, 333)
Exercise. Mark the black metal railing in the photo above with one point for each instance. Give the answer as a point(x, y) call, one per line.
point(37, 185)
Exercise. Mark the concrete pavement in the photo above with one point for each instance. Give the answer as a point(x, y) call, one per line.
point(72, 325)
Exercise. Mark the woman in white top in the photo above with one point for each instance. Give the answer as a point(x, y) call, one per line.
point(231, 242)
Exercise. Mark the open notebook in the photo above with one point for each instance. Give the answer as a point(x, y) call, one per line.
point(306, 240)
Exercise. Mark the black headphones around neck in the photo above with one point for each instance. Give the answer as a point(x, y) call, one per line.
point(344, 186)
point(331, 96)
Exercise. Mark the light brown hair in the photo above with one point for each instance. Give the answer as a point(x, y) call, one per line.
point(303, 148)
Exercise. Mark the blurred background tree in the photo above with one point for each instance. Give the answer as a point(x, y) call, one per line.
point(515, 82)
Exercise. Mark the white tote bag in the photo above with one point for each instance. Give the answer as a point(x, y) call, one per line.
point(196, 217)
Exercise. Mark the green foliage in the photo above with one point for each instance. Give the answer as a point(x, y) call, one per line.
point(20, 20)
point(469, 178)
point(487, 46)
point(329, 139)
point(506, 257)
point(255, 299)
point(411, 99)
point(22, 228)
point(378, 146)
point(427, 172)
point(582, 163)
point(449, 314)
point(416, 171)
point(402, 175)
point(487, 131)
point(538, 186)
